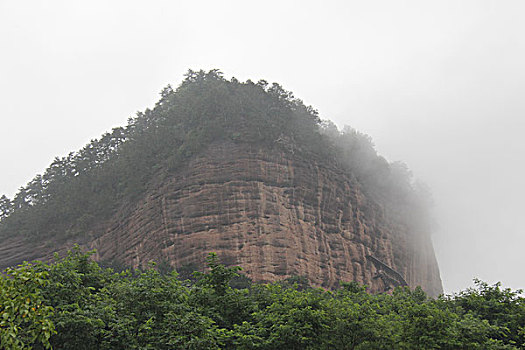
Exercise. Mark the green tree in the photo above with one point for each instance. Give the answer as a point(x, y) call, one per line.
point(214, 297)
point(5, 207)
point(502, 308)
point(25, 317)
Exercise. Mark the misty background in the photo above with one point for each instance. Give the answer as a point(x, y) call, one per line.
point(439, 85)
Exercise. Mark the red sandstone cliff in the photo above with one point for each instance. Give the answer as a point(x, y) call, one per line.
point(275, 215)
point(269, 211)
point(172, 186)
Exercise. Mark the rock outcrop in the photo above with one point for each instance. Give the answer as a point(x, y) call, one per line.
point(241, 169)
point(274, 214)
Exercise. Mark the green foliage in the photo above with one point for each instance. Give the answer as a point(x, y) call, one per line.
point(73, 303)
point(78, 292)
point(214, 296)
point(153, 311)
point(503, 309)
point(24, 313)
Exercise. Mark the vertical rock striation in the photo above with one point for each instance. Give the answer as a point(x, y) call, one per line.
point(275, 214)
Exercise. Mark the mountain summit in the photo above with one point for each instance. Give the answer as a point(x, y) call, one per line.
point(243, 169)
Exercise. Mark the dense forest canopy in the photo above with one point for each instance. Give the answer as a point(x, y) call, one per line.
point(84, 188)
point(73, 303)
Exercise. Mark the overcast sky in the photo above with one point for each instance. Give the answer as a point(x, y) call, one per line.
point(439, 85)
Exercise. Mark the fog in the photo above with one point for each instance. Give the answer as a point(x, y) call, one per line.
point(439, 85)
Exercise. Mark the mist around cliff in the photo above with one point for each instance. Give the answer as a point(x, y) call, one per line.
point(82, 189)
point(438, 85)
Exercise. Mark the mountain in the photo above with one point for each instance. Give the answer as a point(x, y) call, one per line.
point(239, 168)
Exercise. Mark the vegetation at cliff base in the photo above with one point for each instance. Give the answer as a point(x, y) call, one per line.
point(73, 303)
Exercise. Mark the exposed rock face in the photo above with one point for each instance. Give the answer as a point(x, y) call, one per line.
point(273, 213)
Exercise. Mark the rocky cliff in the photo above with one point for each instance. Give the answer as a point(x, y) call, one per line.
point(271, 212)
point(240, 169)
point(274, 214)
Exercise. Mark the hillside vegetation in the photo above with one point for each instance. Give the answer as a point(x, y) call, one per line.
point(82, 189)
point(73, 303)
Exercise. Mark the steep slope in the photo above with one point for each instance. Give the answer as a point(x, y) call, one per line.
point(274, 214)
point(272, 194)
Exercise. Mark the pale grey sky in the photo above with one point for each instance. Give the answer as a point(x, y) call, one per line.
point(437, 84)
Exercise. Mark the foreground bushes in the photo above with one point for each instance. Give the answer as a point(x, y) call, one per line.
point(74, 303)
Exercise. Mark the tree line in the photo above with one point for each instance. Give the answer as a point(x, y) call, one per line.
point(84, 188)
point(74, 303)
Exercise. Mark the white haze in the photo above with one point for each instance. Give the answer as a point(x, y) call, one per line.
point(439, 85)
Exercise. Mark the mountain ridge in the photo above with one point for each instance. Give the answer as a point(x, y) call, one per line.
point(210, 122)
